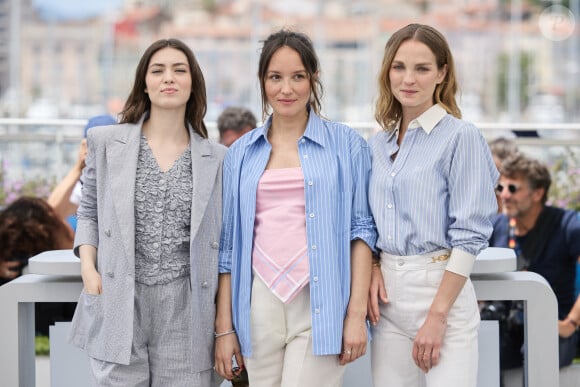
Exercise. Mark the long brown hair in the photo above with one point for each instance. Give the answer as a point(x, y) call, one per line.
point(30, 226)
point(138, 101)
point(302, 44)
point(388, 109)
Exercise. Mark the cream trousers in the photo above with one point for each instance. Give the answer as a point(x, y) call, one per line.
point(411, 283)
point(282, 344)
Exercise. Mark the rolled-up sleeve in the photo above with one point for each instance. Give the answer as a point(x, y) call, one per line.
point(472, 201)
point(362, 222)
point(228, 204)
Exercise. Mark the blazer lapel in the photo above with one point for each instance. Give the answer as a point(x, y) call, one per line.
point(204, 166)
point(122, 154)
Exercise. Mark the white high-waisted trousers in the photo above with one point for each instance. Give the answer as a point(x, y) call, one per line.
point(411, 283)
point(282, 343)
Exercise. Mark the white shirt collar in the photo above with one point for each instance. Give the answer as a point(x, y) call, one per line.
point(429, 118)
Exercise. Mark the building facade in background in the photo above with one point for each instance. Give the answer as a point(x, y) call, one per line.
point(73, 68)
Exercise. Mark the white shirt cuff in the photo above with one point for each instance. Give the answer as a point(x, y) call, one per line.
point(460, 262)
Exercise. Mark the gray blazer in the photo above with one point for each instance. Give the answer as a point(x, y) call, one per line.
point(103, 324)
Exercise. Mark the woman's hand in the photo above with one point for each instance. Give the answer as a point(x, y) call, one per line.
point(427, 343)
point(92, 281)
point(354, 338)
point(226, 348)
point(91, 278)
point(377, 293)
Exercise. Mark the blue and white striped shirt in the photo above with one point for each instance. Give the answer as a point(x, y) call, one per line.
point(438, 193)
point(336, 165)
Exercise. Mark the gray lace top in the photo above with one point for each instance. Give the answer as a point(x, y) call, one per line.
point(162, 218)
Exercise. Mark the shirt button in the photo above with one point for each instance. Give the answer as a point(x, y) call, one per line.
point(312, 215)
point(400, 262)
point(389, 237)
point(313, 247)
point(305, 156)
point(315, 279)
point(317, 311)
point(204, 284)
point(108, 232)
point(310, 182)
point(214, 245)
point(389, 206)
point(155, 245)
point(393, 173)
point(302, 141)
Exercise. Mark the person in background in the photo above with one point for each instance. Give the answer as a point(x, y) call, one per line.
point(66, 196)
point(233, 123)
point(569, 326)
point(149, 223)
point(30, 226)
point(295, 251)
point(432, 197)
point(546, 240)
point(501, 148)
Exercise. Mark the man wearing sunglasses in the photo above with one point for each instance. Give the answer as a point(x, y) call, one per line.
point(546, 240)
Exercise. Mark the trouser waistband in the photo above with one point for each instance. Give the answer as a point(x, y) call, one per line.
point(433, 259)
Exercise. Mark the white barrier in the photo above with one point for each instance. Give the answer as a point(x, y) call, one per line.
point(61, 282)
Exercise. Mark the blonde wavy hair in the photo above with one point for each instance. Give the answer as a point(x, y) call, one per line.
point(388, 110)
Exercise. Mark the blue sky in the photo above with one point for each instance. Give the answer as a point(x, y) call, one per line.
point(75, 8)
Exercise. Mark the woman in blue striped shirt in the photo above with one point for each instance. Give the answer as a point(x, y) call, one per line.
point(294, 256)
point(432, 197)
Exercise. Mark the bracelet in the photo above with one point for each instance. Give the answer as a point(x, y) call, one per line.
point(377, 264)
point(216, 335)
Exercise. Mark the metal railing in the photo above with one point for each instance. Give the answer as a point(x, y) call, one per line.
point(47, 147)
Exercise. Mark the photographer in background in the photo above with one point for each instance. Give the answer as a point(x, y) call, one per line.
point(546, 241)
point(66, 196)
point(233, 123)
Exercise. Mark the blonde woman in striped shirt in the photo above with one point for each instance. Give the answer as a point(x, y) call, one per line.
point(432, 197)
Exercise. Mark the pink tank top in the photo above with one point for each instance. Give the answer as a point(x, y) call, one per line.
point(280, 255)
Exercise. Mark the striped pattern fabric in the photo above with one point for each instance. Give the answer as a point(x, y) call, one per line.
point(335, 161)
point(438, 193)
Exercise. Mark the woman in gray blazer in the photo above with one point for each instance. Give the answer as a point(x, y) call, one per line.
point(148, 230)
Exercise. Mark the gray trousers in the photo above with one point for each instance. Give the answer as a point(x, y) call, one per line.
point(161, 353)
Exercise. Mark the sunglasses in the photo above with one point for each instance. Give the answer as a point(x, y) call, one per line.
point(512, 188)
